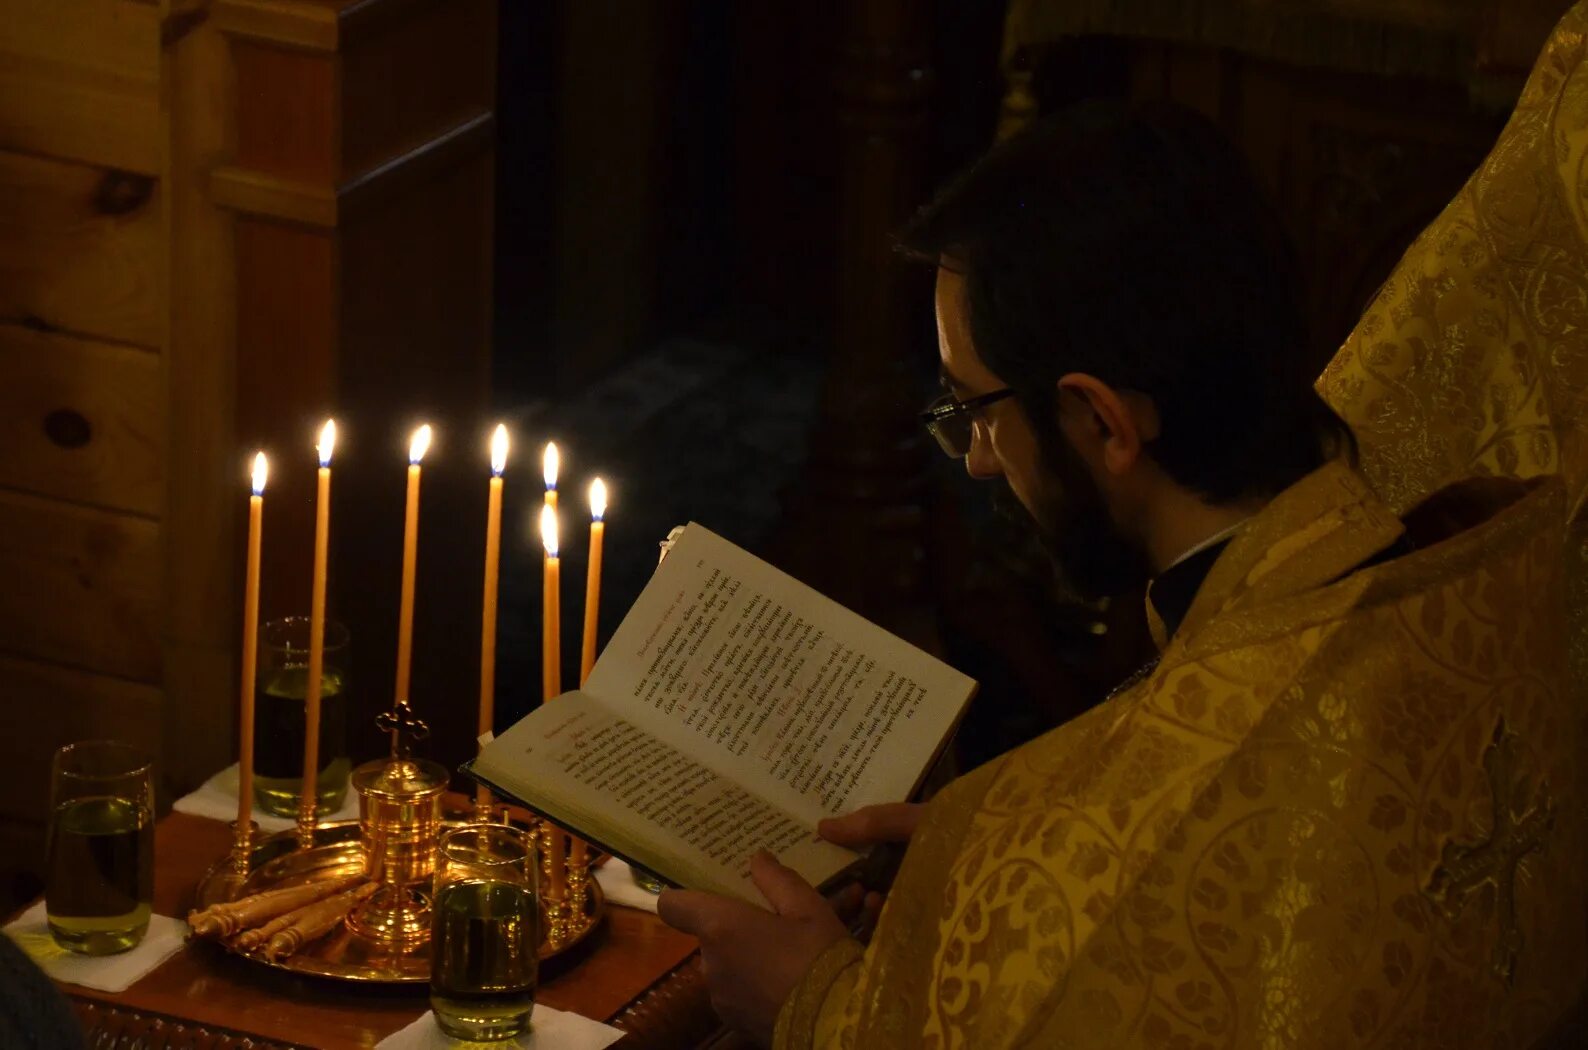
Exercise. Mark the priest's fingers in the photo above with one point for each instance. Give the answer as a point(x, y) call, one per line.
point(848, 902)
point(866, 925)
point(888, 822)
point(784, 888)
point(704, 915)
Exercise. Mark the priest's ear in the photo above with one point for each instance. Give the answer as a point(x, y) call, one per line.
point(1106, 425)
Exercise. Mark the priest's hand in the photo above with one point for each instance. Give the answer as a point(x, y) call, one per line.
point(859, 909)
point(885, 831)
point(753, 958)
point(873, 825)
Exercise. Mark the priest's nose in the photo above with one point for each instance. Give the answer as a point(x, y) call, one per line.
point(981, 462)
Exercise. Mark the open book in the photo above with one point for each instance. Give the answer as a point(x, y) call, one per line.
point(733, 709)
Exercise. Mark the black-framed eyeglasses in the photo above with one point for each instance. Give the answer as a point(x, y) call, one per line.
point(952, 421)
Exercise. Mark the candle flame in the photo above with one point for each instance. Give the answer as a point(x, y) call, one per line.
point(598, 499)
point(419, 445)
point(499, 450)
point(327, 442)
point(261, 472)
point(549, 462)
point(548, 531)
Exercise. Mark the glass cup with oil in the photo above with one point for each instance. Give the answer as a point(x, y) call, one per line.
point(281, 687)
point(99, 867)
point(485, 933)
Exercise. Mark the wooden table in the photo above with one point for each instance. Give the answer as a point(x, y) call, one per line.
point(635, 973)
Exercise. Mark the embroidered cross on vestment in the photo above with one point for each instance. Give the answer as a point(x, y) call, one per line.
point(1520, 825)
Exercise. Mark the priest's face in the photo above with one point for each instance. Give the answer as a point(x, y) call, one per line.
point(1053, 482)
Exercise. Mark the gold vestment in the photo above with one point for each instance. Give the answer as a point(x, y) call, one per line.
point(1473, 357)
point(1341, 811)
point(1335, 814)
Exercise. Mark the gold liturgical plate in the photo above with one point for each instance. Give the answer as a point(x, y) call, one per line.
point(278, 863)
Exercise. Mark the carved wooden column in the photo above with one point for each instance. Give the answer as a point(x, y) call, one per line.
point(861, 519)
point(359, 180)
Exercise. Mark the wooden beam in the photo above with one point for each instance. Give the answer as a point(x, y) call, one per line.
point(79, 79)
point(43, 707)
point(255, 193)
point(84, 586)
point(82, 421)
point(204, 463)
point(304, 26)
point(267, 196)
point(80, 249)
point(323, 26)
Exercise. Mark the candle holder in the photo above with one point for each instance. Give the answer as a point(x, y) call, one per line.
point(346, 954)
point(556, 900)
point(386, 937)
point(487, 810)
point(243, 835)
point(578, 895)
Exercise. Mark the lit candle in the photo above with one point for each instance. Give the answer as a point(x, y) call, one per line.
point(592, 580)
point(551, 636)
point(550, 461)
point(418, 445)
point(592, 609)
point(551, 607)
point(245, 718)
point(493, 549)
point(311, 703)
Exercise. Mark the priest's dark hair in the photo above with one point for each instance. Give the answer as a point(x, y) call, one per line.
point(1128, 241)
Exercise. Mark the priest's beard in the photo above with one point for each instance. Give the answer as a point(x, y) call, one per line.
point(1070, 517)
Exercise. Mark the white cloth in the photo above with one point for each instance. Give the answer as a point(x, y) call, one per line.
point(549, 1030)
point(217, 799)
point(108, 973)
point(617, 882)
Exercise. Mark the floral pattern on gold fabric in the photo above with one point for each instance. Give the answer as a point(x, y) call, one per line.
point(1471, 360)
point(1236, 851)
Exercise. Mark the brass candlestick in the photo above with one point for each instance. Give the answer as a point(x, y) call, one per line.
point(399, 813)
point(554, 903)
point(243, 835)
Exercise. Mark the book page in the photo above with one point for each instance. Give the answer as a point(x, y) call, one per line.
point(774, 685)
point(605, 776)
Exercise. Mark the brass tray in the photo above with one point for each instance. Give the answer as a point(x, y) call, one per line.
point(277, 863)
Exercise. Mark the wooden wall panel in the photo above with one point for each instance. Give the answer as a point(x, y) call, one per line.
point(81, 420)
point(286, 375)
point(21, 863)
point(80, 250)
point(404, 80)
point(290, 129)
point(82, 587)
point(205, 462)
point(80, 79)
point(44, 707)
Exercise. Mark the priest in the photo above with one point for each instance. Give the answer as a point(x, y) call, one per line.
point(1342, 805)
